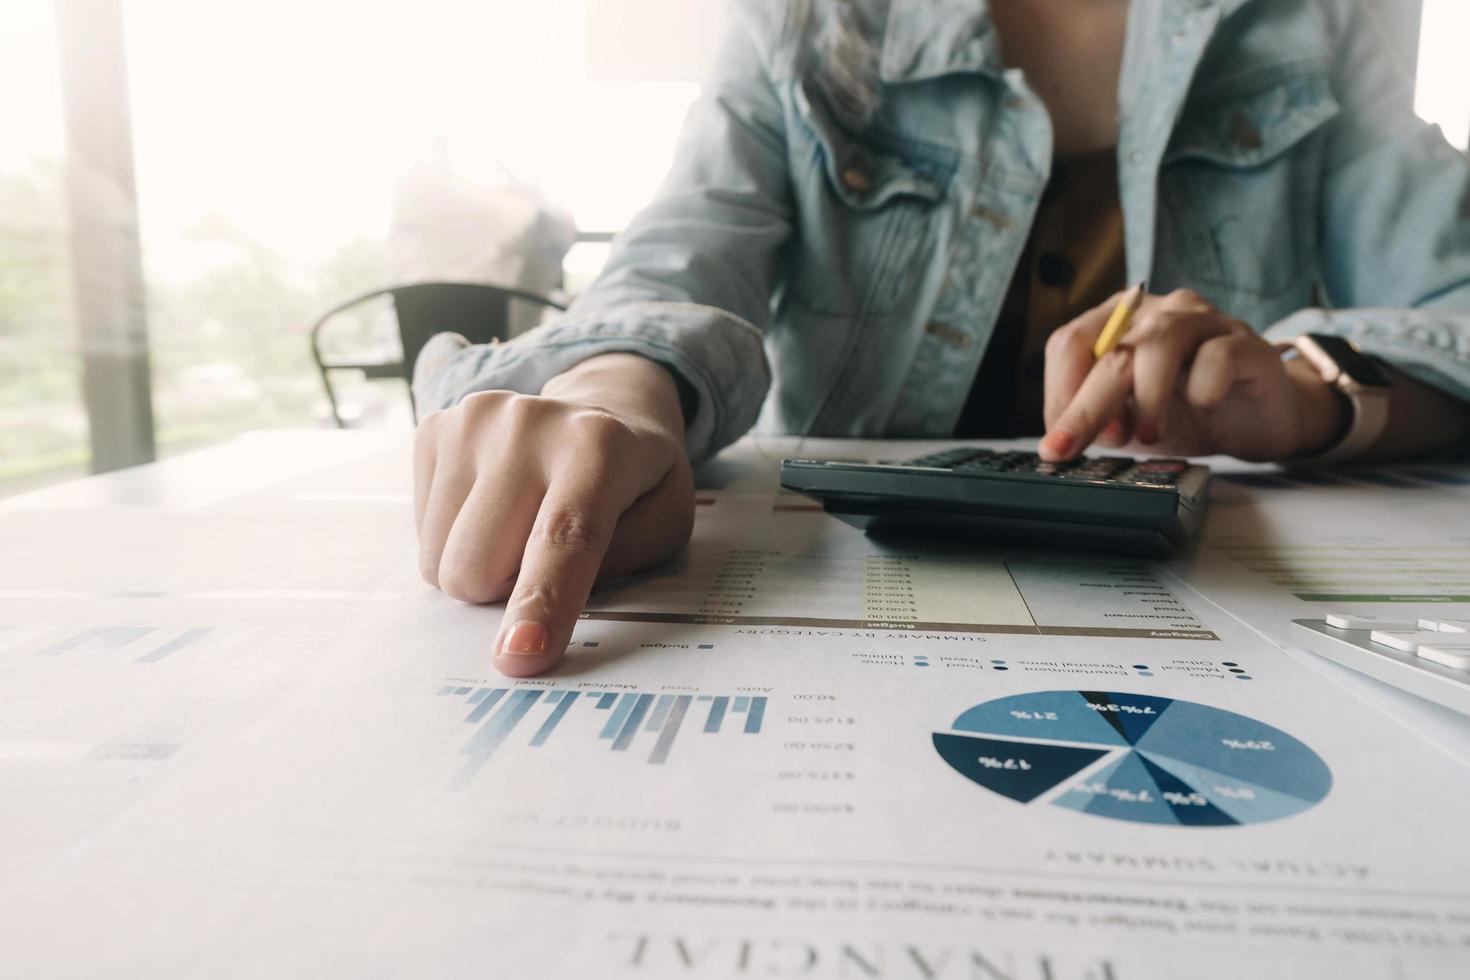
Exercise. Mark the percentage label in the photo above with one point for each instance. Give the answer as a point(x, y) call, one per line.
point(1125, 709)
point(1118, 793)
point(991, 762)
point(1253, 744)
point(1185, 799)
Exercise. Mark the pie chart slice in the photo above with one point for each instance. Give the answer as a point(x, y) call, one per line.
point(1189, 807)
point(1244, 802)
point(1123, 790)
point(1173, 762)
point(1131, 714)
point(1239, 747)
point(1066, 716)
point(1019, 770)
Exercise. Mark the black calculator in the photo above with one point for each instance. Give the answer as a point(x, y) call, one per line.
point(1099, 503)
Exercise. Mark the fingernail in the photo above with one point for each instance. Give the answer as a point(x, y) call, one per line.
point(1058, 443)
point(526, 640)
point(1148, 433)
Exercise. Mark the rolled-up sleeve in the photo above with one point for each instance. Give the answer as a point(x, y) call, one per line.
point(689, 283)
point(1395, 259)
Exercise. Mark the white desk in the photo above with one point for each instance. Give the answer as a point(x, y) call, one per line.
point(205, 665)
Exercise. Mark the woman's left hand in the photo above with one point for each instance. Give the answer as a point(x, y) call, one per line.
point(1186, 380)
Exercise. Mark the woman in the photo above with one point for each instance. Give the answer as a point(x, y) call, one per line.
point(902, 200)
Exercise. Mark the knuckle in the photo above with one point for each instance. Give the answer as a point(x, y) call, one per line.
point(599, 428)
point(466, 583)
point(570, 528)
point(1185, 297)
point(1221, 350)
point(538, 595)
point(1063, 339)
point(521, 410)
point(1151, 327)
point(482, 402)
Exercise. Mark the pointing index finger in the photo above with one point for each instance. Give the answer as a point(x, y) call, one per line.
point(1101, 398)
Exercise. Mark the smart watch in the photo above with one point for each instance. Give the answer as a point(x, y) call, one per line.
point(1361, 380)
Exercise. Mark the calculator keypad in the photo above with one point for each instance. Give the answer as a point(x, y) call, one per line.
point(1095, 469)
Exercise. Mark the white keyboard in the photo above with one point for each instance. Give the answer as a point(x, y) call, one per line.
point(1427, 657)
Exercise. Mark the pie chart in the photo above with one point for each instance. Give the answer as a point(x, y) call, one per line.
point(1135, 757)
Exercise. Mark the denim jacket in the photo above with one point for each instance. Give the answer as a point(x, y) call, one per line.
point(854, 188)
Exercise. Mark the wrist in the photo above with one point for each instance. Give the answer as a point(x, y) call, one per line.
point(628, 384)
point(1323, 413)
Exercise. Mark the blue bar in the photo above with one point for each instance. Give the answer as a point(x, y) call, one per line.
point(479, 695)
point(112, 637)
point(446, 690)
point(706, 697)
point(552, 697)
point(463, 690)
point(485, 741)
point(606, 701)
point(625, 705)
point(635, 718)
point(741, 703)
point(549, 725)
point(484, 706)
point(756, 716)
point(716, 714)
point(177, 643)
point(671, 728)
point(660, 712)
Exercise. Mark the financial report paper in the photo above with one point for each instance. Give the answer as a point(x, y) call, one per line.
point(798, 752)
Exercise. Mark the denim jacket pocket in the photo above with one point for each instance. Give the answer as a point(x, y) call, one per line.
point(875, 194)
point(1241, 178)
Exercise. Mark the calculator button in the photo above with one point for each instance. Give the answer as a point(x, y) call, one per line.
point(1343, 621)
point(1163, 466)
point(1405, 642)
point(1456, 657)
point(1445, 625)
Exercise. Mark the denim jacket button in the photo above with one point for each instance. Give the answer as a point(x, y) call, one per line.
point(856, 180)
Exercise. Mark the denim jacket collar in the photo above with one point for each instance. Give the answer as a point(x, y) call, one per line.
point(927, 39)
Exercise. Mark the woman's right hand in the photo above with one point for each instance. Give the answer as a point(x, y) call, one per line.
point(533, 498)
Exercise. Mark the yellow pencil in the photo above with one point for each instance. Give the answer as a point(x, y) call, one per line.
point(1119, 322)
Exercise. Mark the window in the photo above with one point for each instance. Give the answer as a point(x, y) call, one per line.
point(1443, 92)
point(271, 142)
point(43, 429)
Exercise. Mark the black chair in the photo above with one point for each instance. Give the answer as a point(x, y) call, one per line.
point(479, 312)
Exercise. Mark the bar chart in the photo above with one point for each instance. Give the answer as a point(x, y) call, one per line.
point(138, 644)
point(530, 716)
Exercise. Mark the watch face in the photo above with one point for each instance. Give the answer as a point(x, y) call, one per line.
point(1359, 367)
